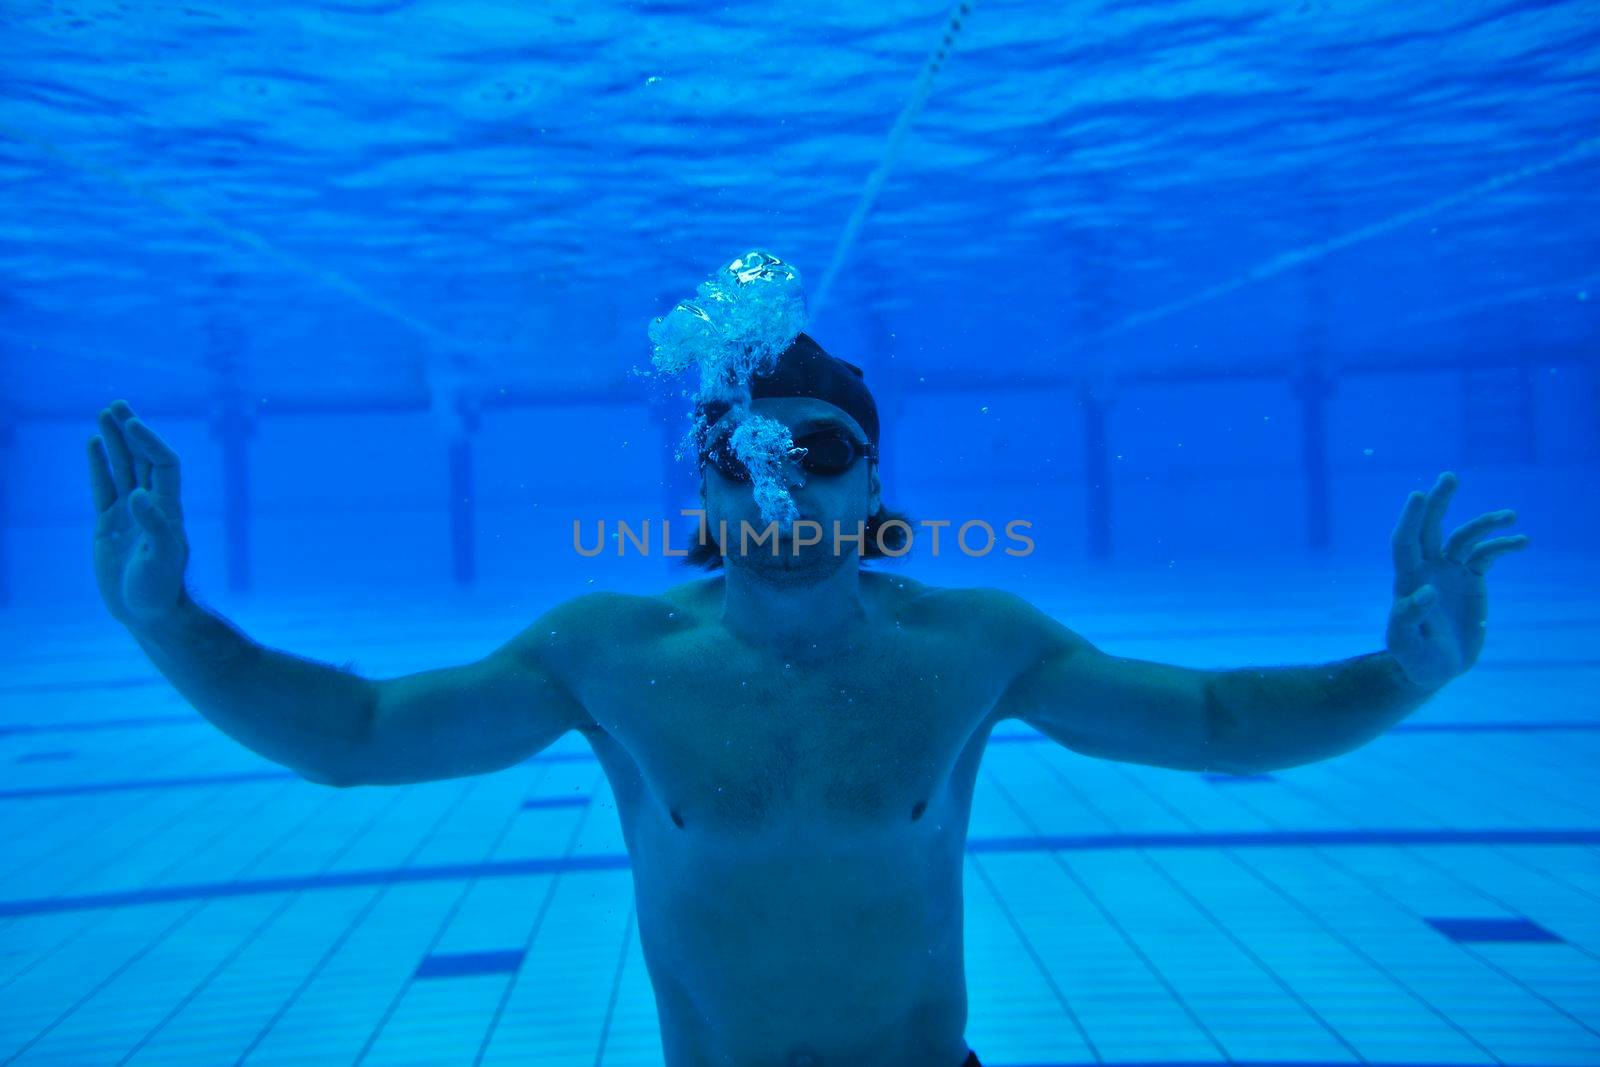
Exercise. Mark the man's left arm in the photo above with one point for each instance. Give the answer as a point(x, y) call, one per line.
point(1252, 719)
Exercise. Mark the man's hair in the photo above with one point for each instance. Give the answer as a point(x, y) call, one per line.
point(806, 369)
point(708, 556)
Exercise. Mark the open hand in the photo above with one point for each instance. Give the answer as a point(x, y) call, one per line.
point(140, 550)
point(1436, 624)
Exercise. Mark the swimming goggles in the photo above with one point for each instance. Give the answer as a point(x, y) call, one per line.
point(827, 452)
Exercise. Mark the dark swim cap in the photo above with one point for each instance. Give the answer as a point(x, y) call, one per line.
point(806, 369)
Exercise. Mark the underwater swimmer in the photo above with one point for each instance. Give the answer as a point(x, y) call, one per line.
point(792, 743)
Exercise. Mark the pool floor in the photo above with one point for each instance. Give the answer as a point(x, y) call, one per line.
point(167, 897)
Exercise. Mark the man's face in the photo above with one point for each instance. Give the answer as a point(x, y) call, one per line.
point(849, 496)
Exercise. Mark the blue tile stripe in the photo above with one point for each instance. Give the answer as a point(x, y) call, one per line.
point(64, 685)
point(1499, 929)
point(555, 802)
point(1509, 727)
point(234, 778)
point(463, 964)
point(90, 788)
point(1491, 727)
point(1284, 839)
point(300, 883)
point(619, 861)
point(52, 756)
point(1264, 1063)
point(136, 722)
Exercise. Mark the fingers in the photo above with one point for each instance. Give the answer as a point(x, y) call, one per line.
point(1433, 515)
point(1406, 541)
point(117, 453)
point(122, 412)
point(162, 460)
point(1468, 533)
point(101, 484)
point(1491, 550)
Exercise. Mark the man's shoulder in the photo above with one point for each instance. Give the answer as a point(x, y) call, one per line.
point(577, 629)
point(694, 594)
point(999, 617)
point(966, 601)
point(909, 594)
point(609, 610)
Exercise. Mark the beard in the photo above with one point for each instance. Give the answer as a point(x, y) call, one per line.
point(813, 564)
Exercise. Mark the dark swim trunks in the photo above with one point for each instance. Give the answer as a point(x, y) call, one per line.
point(971, 1060)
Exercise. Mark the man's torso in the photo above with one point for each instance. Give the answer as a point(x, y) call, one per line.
point(796, 822)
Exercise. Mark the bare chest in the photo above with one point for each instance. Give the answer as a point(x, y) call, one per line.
point(730, 740)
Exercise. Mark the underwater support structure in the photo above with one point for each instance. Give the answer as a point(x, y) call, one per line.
point(233, 426)
point(463, 555)
point(8, 436)
point(1312, 382)
point(680, 483)
point(890, 393)
point(232, 423)
point(1312, 387)
point(1093, 300)
point(1095, 398)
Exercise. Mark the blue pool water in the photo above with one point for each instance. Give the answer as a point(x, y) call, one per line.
point(1198, 291)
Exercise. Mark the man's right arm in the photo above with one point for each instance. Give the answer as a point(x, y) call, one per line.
point(335, 727)
point(329, 724)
